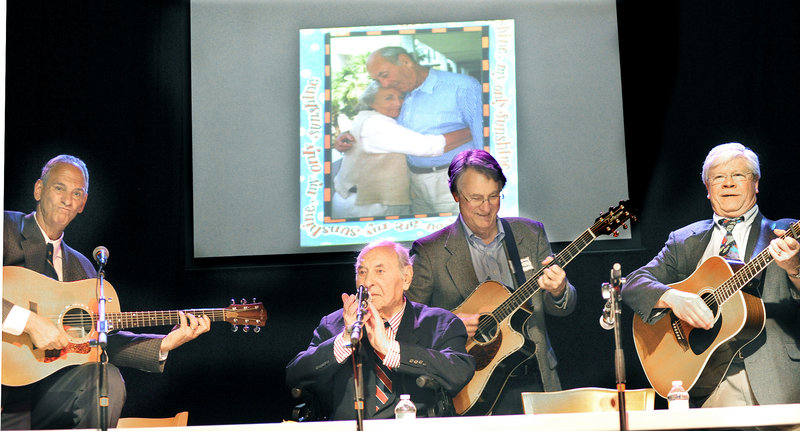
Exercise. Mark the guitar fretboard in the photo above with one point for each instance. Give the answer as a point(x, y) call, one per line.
point(140, 319)
point(746, 273)
point(523, 293)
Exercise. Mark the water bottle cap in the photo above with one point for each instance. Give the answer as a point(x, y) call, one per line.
point(677, 383)
point(405, 397)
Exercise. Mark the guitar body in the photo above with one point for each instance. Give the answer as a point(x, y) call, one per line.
point(671, 349)
point(72, 307)
point(497, 354)
point(22, 362)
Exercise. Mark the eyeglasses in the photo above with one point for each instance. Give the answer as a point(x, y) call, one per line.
point(477, 201)
point(738, 177)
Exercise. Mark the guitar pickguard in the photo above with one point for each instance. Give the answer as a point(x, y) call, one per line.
point(485, 353)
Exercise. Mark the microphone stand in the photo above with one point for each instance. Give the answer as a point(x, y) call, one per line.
point(102, 342)
point(362, 298)
point(611, 292)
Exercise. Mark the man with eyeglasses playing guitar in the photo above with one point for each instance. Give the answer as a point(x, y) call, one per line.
point(719, 306)
point(451, 263)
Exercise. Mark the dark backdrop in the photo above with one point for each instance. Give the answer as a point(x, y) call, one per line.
point(109, 82)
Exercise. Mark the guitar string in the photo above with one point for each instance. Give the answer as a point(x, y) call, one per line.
point(745, 274)
point(524, 291)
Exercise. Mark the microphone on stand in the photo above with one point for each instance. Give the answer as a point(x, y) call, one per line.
point(616, 276)
point(100, 254)
point(610, 290)
point(362, 298)
point(607, 319)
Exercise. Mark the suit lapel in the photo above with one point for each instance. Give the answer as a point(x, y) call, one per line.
point(759, 236)
point(701, 238)
point(465, 281)
point(33, 244)
point(405, 333)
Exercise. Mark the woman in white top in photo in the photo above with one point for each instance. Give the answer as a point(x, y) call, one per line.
point(372, 180)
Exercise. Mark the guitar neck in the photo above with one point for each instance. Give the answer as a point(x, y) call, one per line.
point(523, 293)
point(746, 273)
point(141, 319)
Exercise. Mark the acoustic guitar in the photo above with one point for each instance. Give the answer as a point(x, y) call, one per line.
point(498, 344)
point(671, 349)
point(72, 306)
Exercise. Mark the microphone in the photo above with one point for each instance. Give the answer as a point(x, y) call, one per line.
point(616, 275)
point(362, 298)
point(610, 291)
point(100, 254)
point(606, 318)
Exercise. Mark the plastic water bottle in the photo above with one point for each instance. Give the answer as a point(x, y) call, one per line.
point(405, 409)
point(678, 397)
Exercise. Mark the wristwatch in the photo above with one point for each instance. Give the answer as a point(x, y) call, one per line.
point(796, 274)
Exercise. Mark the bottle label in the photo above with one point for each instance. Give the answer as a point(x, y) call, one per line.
point(678, 405)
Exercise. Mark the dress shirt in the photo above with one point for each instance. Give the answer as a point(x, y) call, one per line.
point(444, 102)
point(740, 233)
point(392, 358)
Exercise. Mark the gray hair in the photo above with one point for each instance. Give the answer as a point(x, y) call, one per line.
point(403, 257)
point(72, 160)
point(367, 98)
point(724, 153)
point(392, 54)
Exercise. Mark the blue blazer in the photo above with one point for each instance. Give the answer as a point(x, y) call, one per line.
point(431, 341)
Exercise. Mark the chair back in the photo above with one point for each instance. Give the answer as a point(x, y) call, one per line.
point(580, 400)
point(179, 420)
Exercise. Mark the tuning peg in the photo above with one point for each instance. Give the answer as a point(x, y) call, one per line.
point(257, 329)
point(234, 328)
point(624, 225)
point(243, 301)
point(616, 234)
point(233, 301)
point(246, 328)
point(254, 300)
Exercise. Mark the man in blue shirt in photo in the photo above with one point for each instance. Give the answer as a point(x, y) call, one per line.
point(436, 102)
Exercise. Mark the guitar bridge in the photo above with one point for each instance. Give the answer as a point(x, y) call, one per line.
point(677, 330)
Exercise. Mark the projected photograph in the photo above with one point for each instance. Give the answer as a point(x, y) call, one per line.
point(384, 109)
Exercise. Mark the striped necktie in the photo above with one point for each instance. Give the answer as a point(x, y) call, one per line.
point(728, 248)
point(49, 267)
point(383, 383)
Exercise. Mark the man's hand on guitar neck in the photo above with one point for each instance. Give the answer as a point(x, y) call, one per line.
point(190, 328)
point(688, 307)
point(44, 334)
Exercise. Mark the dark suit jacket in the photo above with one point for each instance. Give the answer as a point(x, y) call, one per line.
point(431, 343)
point(24, 245)
point(772, 360)
point(444, 277)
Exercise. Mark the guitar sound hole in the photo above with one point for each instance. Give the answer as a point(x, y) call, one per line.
point(487, 328)
point(77, 323)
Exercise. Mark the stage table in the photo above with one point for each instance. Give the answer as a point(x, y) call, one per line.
point(771, 417)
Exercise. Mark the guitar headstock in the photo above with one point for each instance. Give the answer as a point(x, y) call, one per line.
point(610, 222)
point(246, 314)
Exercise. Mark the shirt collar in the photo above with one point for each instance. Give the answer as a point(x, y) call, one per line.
point(429, 82)
point(475, 241)
point(749, 216)
point(394, 321)
point(56, 242)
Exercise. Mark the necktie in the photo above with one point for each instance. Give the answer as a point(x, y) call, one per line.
point(383, 383)
point(49, 268)
point(728, 248)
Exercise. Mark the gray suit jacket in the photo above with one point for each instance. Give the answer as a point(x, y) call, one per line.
point(772, 360)
point(444, 277)
point(24, 245)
